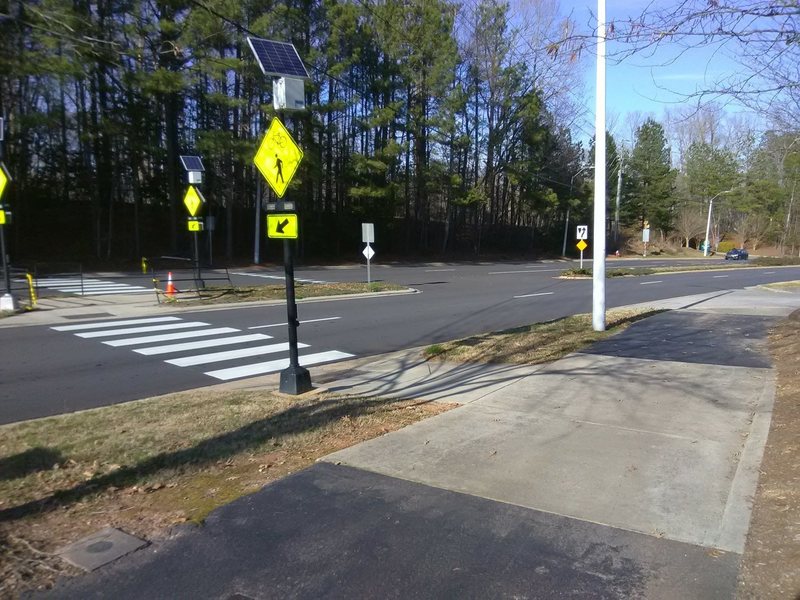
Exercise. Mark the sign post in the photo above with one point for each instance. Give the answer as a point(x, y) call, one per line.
point(646, 236)
point(194, 202)
point(277, 159)
point(581, 234)
point(368, 237)
point(7, 302)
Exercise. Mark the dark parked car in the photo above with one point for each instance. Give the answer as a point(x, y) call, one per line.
point(736, 254)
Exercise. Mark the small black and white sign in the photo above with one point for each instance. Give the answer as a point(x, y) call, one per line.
point(368, 252)
point(582, 232)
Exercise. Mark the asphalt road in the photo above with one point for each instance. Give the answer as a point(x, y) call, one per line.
point(49, 370)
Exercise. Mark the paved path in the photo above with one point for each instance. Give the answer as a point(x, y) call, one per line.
point(625, 471)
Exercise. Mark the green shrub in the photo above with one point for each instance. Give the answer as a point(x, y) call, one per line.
point(726, 245)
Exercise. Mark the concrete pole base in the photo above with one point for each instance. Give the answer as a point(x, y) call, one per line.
point(295, 381)
point(8, 303)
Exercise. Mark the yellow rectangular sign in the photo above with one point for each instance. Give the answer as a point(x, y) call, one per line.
point(2, 217)
point(282, 226)
point(195, 225)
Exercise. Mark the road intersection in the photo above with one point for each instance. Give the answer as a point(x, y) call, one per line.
point(111, 352)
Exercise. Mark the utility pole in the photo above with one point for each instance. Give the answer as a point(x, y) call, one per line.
point(616, 208)
point(599, 249)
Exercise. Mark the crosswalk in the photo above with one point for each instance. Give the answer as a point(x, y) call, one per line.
point(89, 286)
point(209, 345)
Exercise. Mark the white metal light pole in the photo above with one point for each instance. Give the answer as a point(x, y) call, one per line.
point(599, 249)
point(708, 222)
point(708, 226)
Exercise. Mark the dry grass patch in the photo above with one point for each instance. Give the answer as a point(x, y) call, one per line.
point(145, 466)
point(538, 343)
point(216, 295)
point(782, 285)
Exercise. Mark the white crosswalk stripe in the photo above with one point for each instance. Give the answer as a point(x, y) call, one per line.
point(204, 359)
point(168, 337)
point(112, 332)
point(107, 324)
point(129, 332)
point(239, 339)
point(89, 286)
point(274, 366)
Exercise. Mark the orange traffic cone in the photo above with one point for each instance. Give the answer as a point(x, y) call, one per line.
point(170, 286)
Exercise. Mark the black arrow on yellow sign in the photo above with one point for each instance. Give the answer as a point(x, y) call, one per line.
point(281, 225)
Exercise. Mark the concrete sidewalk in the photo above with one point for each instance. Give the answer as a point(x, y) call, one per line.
point(624, 471)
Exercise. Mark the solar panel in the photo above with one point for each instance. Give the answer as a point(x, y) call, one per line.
point(278, 58)
point(192, 163)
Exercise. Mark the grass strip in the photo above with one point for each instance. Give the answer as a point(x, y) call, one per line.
point(186, 444)
point(216, 295)
point(535, 344)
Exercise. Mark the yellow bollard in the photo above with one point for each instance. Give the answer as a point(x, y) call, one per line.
point(31, 289)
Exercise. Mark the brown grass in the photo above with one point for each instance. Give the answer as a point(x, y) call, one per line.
point(538, 343)
point(145, 466)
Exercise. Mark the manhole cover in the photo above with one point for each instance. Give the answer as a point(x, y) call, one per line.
point(100, 548)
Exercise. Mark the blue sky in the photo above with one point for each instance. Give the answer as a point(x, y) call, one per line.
point(649, 82)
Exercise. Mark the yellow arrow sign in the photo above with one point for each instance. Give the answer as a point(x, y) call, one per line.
point(278, 157)
point(282, 226)
point(193, 200)
point(195, 225)
point(4, 178)
point(582, 245)
point(2, 217)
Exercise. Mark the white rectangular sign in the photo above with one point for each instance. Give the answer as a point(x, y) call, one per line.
point(368, 233)
point(582, 232)
point(646, 235)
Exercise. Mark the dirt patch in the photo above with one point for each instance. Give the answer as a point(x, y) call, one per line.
point(771, 561)
point(146, 466)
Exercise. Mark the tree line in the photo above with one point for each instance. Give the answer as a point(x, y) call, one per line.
point(452, 126)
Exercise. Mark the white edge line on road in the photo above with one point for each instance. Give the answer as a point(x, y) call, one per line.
point(719, 276)
point(279, 277)
point(528, 271)
point(532, 295)
point(438, 270)
point(651, 282)
point(769, 273)
point(301, 322)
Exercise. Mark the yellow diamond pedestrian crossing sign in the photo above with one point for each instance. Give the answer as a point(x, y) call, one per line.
point(4, 179)
point(278, 157)
point(582, 245)
point(193, 200)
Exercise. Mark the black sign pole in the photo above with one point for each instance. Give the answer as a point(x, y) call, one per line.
point(6, 272)
point(294, 379)
point(198, 282)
